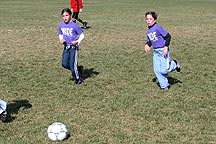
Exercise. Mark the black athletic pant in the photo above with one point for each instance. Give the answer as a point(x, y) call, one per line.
point(76, 16)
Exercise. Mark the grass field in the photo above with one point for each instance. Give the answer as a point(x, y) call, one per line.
point(119, 102)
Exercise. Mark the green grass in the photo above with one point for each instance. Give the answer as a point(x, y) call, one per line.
point(118, 103)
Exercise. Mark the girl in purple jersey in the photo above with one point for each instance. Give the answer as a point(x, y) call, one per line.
point(159, 39)
point(70, 35)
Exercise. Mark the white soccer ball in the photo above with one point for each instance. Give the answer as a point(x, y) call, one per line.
point(57, 131)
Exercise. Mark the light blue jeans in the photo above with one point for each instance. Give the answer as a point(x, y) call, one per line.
point(3, 106)
point(162, 66)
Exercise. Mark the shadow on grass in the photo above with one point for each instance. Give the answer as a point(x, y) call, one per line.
point(171, 80)
point(15, 106)
point(89, 73)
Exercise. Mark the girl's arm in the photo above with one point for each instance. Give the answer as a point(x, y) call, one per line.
point(79, 40)
point(147, 47)
point(167, 38)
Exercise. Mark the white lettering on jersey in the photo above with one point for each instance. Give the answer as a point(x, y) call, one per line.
point(152, 36)
point(67, 31)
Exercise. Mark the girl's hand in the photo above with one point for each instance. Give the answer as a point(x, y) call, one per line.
point(165, 51)
point(74, 42)
point(62, 41)
point(147, 48)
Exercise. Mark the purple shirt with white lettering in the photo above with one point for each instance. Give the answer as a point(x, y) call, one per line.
point(155, 35)
point(70, 31)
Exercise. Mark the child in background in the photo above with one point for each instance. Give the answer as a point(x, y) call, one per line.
point(76, 8)
point(159, 39)
point(3, 112)
point(70, 35)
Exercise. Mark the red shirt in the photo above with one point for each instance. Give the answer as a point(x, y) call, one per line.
point(76, 5)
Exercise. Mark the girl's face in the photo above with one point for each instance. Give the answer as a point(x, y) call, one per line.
point(66, 17)
point(150, 20)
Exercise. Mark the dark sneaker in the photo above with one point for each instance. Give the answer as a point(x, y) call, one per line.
point(178, 67)
point(4, 116)
point(79, 81)
point(80, 70)
point(85, 25)
point(166, 88)
point(72, 79)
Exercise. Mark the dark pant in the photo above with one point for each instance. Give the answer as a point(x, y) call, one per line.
point(76, 16)
point(70, 60)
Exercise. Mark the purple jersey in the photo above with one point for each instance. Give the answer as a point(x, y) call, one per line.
point(155, 35)
point(70, 31)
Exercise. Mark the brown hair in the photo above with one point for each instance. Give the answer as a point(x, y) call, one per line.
point(153, 14)
point(66, 10)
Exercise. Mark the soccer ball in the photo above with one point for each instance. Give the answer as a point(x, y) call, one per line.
point(57, 131)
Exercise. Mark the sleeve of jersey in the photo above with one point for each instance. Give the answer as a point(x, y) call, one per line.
point(59, 30)
point(80, 4)
point(71, 3)
point(60, 33)
point(148, 42)
point(79, 30)
point(162, 31)
point(167, 39)
point(166, 35)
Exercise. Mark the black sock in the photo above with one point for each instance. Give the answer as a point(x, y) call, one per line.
point(80, 20)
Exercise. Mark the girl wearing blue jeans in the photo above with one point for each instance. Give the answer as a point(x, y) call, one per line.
point(70, 35)
point(159, 39)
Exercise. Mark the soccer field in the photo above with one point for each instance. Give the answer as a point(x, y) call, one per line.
point(119, 102)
